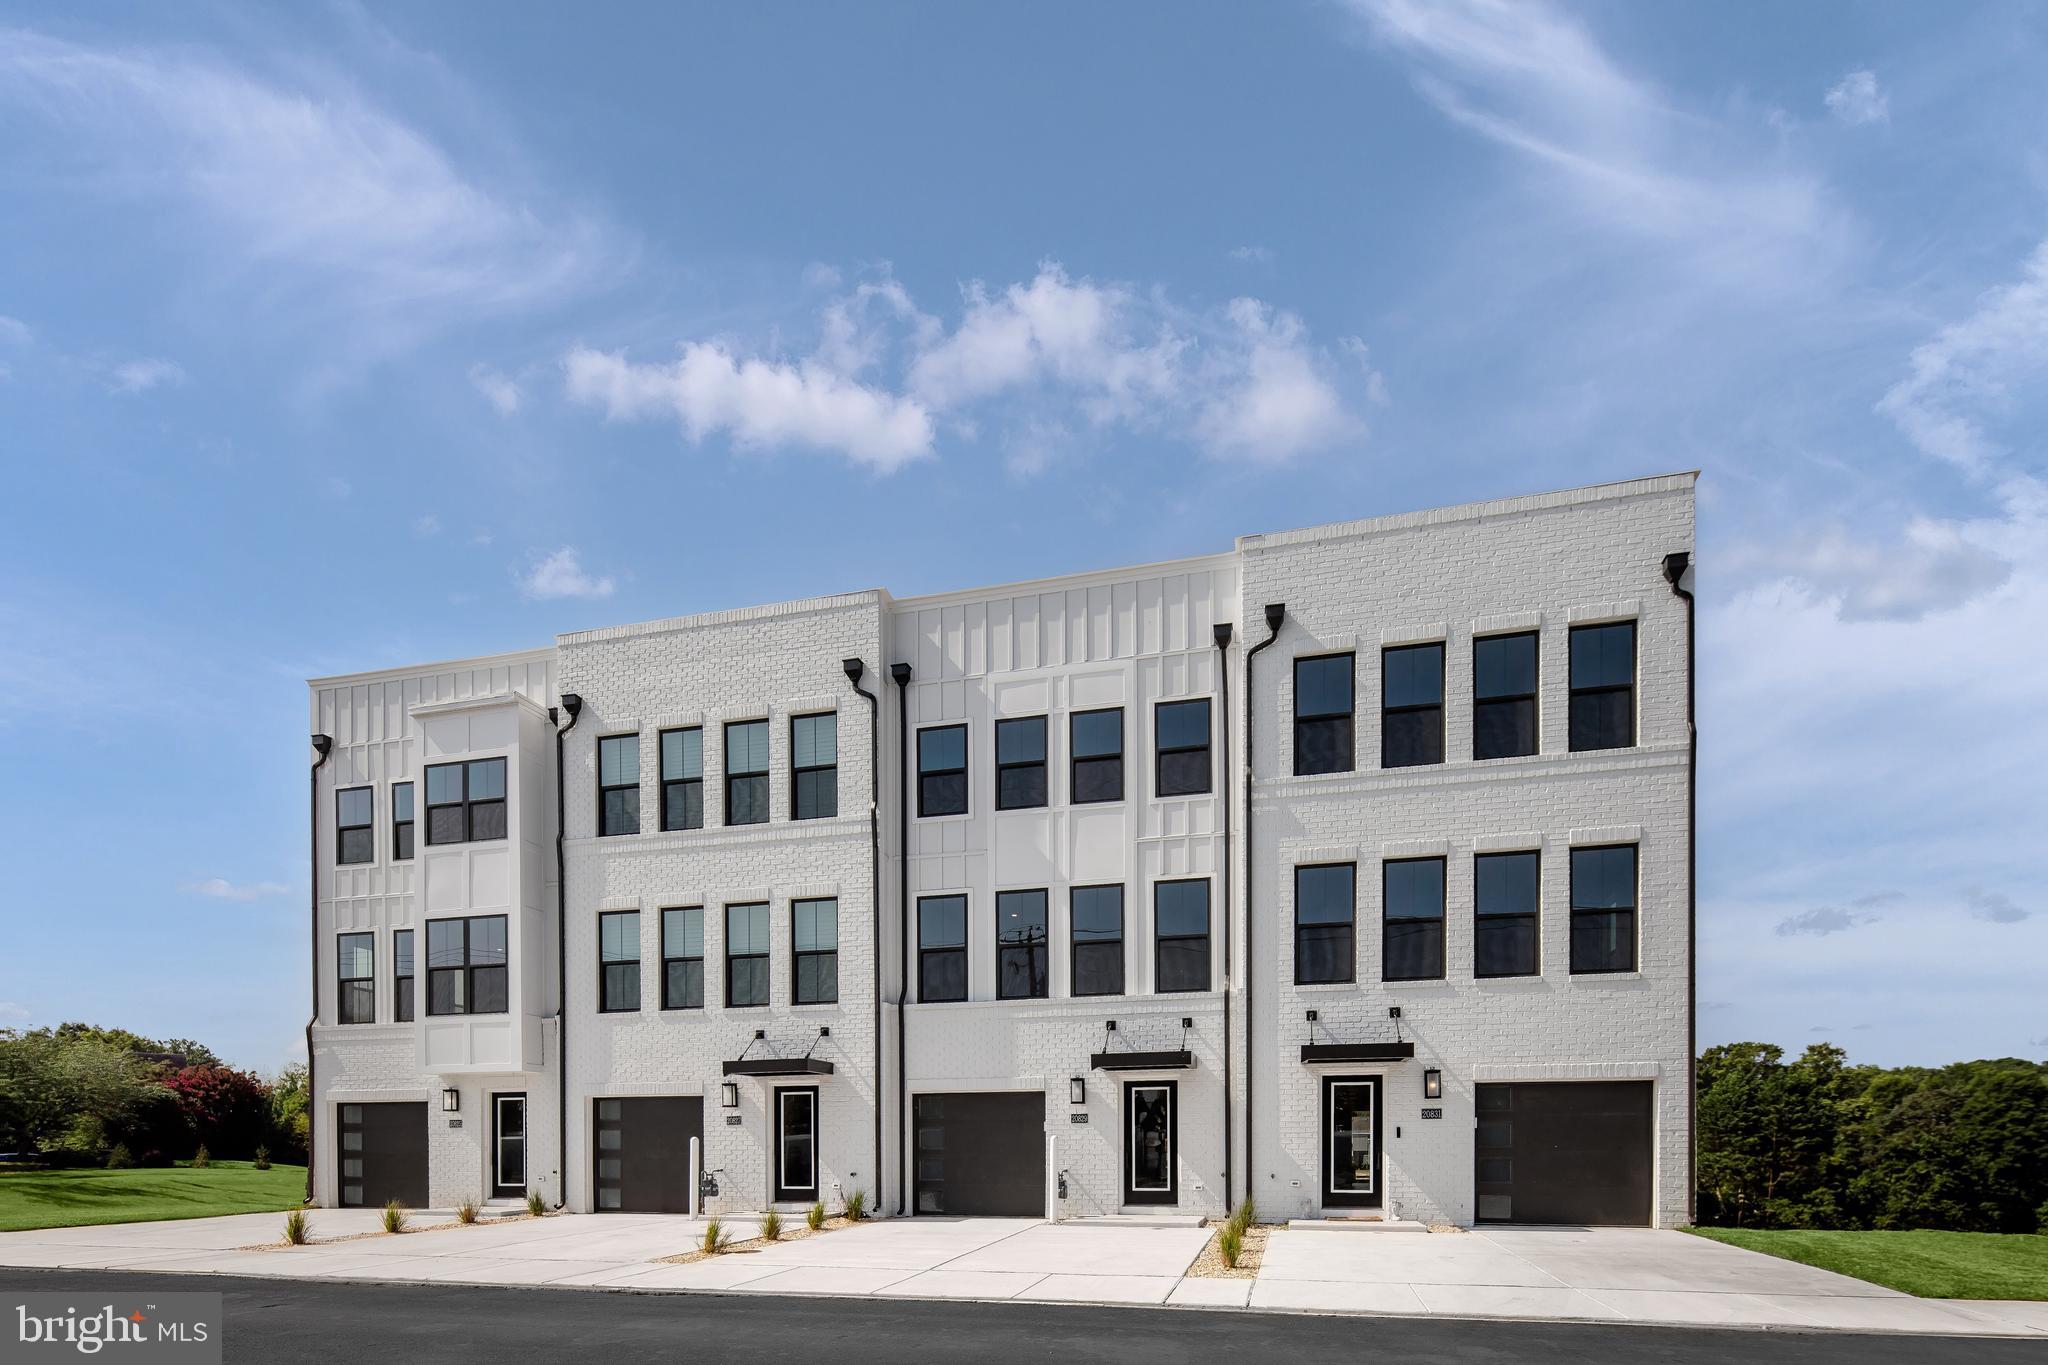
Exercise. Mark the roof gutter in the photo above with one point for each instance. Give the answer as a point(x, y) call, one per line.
point(900, 674)
point(1276, 615)
point(573, 704)
point(1221, 633)
point(1676, 566)
point(854, 670)
point(322, 745)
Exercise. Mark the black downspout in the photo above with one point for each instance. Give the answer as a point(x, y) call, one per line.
point(1221, 634)
point(573, 704)
point(322, 745)
point(1675, 566)
point(855, 669)
point(901, 674)
point(1276, 613)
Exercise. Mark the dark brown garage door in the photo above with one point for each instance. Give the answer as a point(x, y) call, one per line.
point(643, 1153)
point(383, 1154)
point(981, 1154)
point(1565, 1152)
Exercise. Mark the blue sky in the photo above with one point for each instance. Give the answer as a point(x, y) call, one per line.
point(338, 337)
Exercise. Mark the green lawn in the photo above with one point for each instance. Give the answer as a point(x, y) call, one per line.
point(1933, 1265)
point(65, 1199)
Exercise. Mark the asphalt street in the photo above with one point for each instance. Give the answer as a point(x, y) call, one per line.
point(268, 1321)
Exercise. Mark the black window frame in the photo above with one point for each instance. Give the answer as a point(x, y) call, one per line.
point(670, 960)
point(1075, 943)
point(1485, 703)
point(1075, 758)
point(683, 784)
point(764, 957)
point(404, 992)
point(1633, 910)
point(925, 775)
point(765, 802)
point(609, 996)
point(628, 810)
point(800, 956)
point(1349, 716)
point(1390, 715)
point(468, 970)
point(1036, 954)
point(925, 954)
point(355, 997)
point(366, 829)
point(402, 829)
point(825, 791)
point(1388, 921)
point(1527, 924)
point(1004, 768)
point(1595, 693)
point(468, 805)
point(1350, 929)
point(1161, 751)
point(1160, 938)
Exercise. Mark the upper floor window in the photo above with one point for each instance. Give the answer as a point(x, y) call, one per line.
point(942, 770)
point(1504, 904)
point(746, 954)
point(814, 928)
point(401, 821)
point(1097, 913)
point(1322, 714)
point(355, 839)
point(1097, 741)
point(357, 1001)
point(1412, 706)
point(1181, 736)
point(746, 773)
point(682, 778)
point(942, 948)
point(814, 766)
point(618, 951)
point(1604, 909)
point(1603, 664)
point(1020, 763)
point(1412, 941)
point(618, 784)
point(401, 976)
point(1325, 896)
point(1504, 696)
point(466, 801)
point(1180, 922)
point(466, 972)
point(682, 958)
point(1021, 945)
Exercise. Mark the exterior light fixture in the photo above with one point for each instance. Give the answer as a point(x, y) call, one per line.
point(729, 1095)
point(451, 1100)
point(1432, 1084)
point(1077, 1090)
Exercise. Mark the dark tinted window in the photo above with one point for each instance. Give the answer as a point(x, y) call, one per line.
point(682, 778)
point(942, 770)
point(1604, 909)
point(1098, 756)
point(402, 976)
point(682, 958)
point(814, 932)
point(618, 947)
point(746, 773)
point(466, 801)
point(1020, 944)
point(1180, 913)
point(942, 948)
point(1413, 945)
point(1181, 736)
point(466, 965)
point(1323, 714)
point(618, 784)
point(1504, 696)
point(1097, 913)
point(357, 1000)
point(746, 955)
point(354, 814)
point(814, 767)
point(1603, 701)
point(401, 821)
point(1505, 901)
point(1412, 710)
point(1020, 763)
point(1324, 901)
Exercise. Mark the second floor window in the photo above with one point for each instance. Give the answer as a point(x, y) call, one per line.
point(355, 815)
point(1603, 665)
point(1322, 714)
point(1412, 706)
point(1504, 905)
point(1020, 763)
point(814, 926)
point(1324, 905)
point(466, 965)
point(746, 773)
point(682, 778)
point(814, 766)
point(618, 784)
point(1412, 937)
point(1180, 913)
point(1096, 739)
point(466, 801)
point(357, 1002)
point(942, 948)
point(1181, 737)
point(1604, 909)
point(746, 954)
point(401, 821)
point(1504, 696)
point(1020, 945)
point(401, 976)
point(1097, 913)
point(942, 770)
point(618, 951)
point(682, 958)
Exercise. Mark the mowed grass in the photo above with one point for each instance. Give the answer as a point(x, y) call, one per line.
point(69, 1199)
point(1932, 1265)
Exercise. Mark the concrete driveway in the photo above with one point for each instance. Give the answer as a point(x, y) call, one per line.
point(1605, 1274)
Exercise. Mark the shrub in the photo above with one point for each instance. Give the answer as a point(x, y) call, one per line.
point(226, 1108)
point(262, 1158)
point(120, 1158)
point(856, 1206)
point(1230, 1241)
point(815, 1218)
point(296, 1228)
point(771, 1226)
point(535, 1205)
point(1244, 1215)
point(396, 1216)
point(202, 1158)
point(717, 1237)
point(465, 1210)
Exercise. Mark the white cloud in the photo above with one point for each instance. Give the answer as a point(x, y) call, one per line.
point(14, 1012)
point(13, 331)
point(1932, 566)
point(427, 526)
point(220, 888)
point(1857, 99)
point(140, 376)
point(1252, 255)
point(560, 575)
point(1995, 906)
point(1272, 400)
point(501, 391)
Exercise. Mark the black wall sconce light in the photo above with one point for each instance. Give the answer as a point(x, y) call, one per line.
point(1077, 1090)
point(1432, 1084)
point(729, 1095)
point(451, 1101)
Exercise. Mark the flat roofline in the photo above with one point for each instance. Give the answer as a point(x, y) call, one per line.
point(726, 616)
point(517, 656)
point(1214, 560)
point(1681, 481)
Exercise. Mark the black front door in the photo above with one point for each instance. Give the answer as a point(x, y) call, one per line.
point(1149, 1142)
point(1351, 1141)
point(796, 1144)
point(508, 1146)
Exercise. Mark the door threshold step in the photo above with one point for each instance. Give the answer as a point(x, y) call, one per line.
point(1341, 1224)
point(1140, 1220)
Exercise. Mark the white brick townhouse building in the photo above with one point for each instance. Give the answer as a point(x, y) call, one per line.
point(1349, 869)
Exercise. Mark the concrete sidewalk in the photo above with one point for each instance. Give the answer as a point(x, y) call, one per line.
point(1575, 1274)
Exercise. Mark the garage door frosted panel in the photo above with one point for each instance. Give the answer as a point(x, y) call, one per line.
point(643, 1153)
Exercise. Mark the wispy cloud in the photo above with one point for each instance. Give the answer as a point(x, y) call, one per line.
point(1857, 99)
point(1825, 919)
point(220, 888)
point(14, 1012)
point(140, 376)
point(561, 575)
point(1995, 906)
point(1252, 255)
point(426, 527)
point(14, 332)
point(499, 390)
